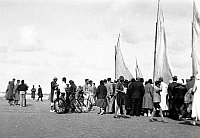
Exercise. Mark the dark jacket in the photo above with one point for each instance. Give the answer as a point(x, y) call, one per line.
point(179, 91)
point(72, 88)
point(137, 90)
point(170, 89)
point(40, 92)
point(22, 87)
point(54, 86)
point(101, 92)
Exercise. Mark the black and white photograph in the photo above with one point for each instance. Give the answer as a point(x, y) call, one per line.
point(99, 68)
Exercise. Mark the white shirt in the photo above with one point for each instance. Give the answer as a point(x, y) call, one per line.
point(62, 87)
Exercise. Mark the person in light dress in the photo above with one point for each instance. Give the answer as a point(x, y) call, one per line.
point(196, 101)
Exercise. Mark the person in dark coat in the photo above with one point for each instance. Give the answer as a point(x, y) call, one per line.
point(179, 93)
point(72, 89)
point(137, 93)
point(22, 88)
point(33, 90)
point(128, 98)
point(40, 94)
point(9, 93)
point(101, 94)
point(54, 87)
point(171, 97)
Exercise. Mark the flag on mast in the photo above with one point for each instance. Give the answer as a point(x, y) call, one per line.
point(195, 40)
point(120, 67)
point(161, 62)
point(138, 72)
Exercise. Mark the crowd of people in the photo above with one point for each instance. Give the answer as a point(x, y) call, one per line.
point(125, 98)
point(16, 93)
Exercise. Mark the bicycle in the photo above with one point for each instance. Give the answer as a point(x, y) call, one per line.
point(78, 102)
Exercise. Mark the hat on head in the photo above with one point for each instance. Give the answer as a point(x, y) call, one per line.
point(150, 81)
point(121, 78)
point(175, 77)
point(55, 78)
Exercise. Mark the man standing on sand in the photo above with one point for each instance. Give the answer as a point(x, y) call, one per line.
point(171, 97)
point(40, 94)
point(54, 88)
point(120, 96)
point(23, 88)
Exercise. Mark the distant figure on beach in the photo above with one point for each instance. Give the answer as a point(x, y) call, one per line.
point(16, 93)
point(33, 91)
point(40, 95)
point(22, 88)
point(10, 92)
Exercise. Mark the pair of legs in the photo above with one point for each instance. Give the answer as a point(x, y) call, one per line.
point(10, 102)
point(16, 102)
point(110, 101)
point(157, 106)
point(136, 107)
point(147, 111)
point(102, 111)
point(51, 99)
point(120, 104)
point(23, 100)
point(40, 98)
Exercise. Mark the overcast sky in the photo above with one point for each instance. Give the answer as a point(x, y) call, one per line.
point(40, 39)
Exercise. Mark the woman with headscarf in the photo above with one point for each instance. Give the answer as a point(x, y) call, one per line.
point(196, 101)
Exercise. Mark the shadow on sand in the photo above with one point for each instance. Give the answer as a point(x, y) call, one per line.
point(189, 123)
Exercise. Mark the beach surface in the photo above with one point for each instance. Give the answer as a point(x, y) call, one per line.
point(35, 121)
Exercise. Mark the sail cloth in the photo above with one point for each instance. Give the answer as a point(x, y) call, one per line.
point(120, 67)
point(138, 72)
point(161, 66)
point(196, 40)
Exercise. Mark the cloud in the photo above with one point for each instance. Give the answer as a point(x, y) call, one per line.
point(27, 39)
point(3, 49)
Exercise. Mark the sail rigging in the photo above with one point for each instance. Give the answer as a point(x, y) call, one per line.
point(120, 67)
point(161, 62)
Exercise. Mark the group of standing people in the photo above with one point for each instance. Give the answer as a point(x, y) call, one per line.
point(33, 92)
point(64, 90)
point(16, 92)
point(134, 98)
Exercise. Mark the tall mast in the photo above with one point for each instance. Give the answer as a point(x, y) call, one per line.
point(156, 41)
point(116, 56)
point(193, 72)
point(115, 61)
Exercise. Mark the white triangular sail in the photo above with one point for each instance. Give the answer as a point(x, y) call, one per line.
point(195, 40)
point(120, 67)
point(161, 63)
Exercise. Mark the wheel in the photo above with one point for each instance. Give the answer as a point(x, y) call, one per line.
point(78, 106)
point(87, 104)
point(60, 105)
